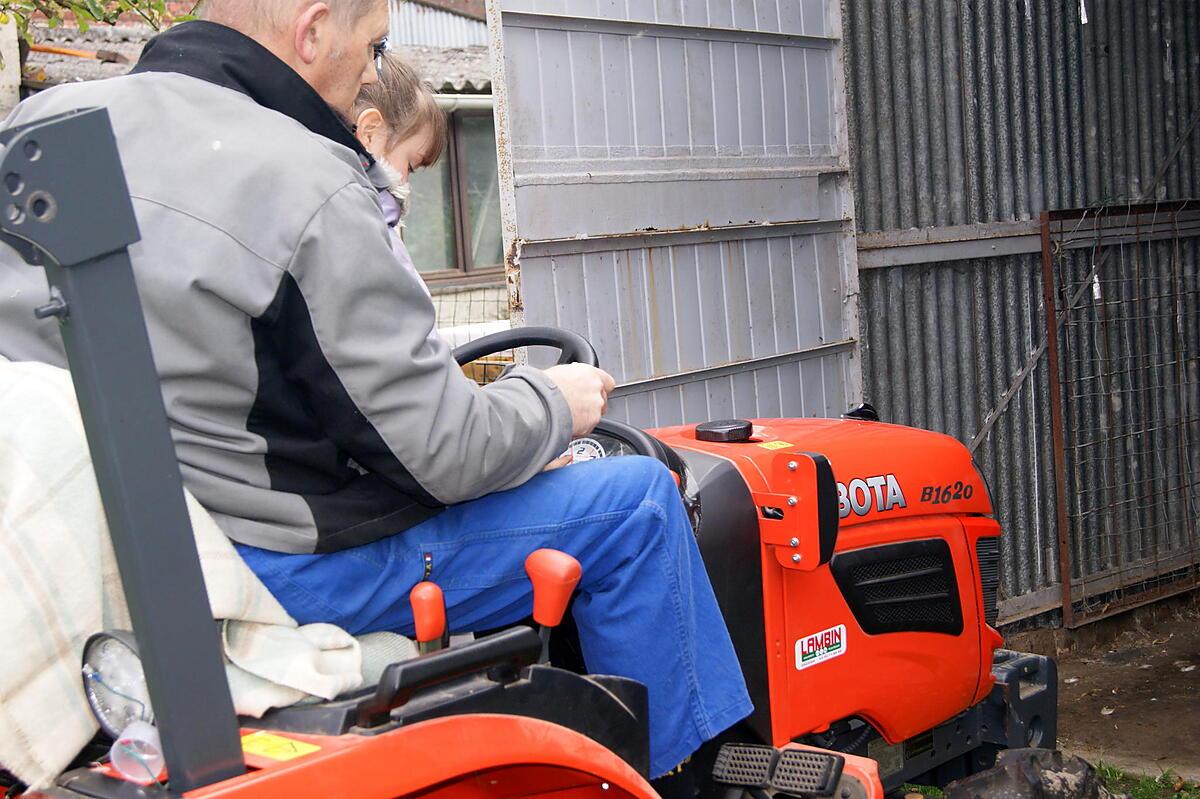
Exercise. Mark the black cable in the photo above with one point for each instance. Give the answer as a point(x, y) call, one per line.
point(859, 741)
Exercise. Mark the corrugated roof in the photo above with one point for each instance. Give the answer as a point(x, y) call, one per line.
point(465, 70)
point(449, 69)
point(417, 24)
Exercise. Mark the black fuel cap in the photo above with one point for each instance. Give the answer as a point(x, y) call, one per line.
point(727, 431)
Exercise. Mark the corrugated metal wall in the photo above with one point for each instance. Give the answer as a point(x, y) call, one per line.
point(945, 341)
point(720, 280)
point(987, 110)
point(418, 25)
point(968, 118)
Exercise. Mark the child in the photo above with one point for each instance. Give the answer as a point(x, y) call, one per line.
point(398, 121)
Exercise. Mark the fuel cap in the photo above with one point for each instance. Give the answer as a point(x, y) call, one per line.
point(727, 431)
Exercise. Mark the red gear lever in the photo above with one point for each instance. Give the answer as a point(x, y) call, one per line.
point(429, 615)
point(554, 575)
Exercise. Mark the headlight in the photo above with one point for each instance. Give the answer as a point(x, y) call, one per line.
point(114, 682)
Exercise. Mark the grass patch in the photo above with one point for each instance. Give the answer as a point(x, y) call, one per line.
point(926, 791)
point(1167, 785)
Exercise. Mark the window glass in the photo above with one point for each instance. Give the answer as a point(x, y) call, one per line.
point(483, 190)
point(429, 228)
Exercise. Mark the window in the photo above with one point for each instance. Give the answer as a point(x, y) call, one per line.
point(453, 229)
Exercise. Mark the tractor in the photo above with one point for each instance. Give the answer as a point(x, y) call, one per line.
point(856, 564)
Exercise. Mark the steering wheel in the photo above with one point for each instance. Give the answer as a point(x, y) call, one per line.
point(573, 348)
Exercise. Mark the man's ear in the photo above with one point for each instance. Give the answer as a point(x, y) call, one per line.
point(368, 126)
point(308, 29)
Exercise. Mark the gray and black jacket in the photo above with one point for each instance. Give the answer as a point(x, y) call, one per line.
point(310, 407)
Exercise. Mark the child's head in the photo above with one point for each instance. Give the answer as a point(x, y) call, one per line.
point(398, 120)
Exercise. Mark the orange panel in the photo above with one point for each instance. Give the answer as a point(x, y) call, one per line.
point(466, 756)
point(896, 484)
point(903, 683)
point(885, 470)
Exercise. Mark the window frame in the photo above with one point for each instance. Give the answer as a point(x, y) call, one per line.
point(467, 273)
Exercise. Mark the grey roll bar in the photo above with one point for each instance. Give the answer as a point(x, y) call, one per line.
point(67, 208)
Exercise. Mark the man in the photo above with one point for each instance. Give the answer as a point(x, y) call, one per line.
point(334, 439)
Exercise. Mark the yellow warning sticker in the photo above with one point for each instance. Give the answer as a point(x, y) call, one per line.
point(276, 747)
point(776, 444)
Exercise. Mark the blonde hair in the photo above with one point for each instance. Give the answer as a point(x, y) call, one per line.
point(407, 103)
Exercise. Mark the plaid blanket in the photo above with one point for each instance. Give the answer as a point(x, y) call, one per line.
point(59, 584)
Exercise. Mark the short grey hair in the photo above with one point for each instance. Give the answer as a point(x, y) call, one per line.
point(259, 15)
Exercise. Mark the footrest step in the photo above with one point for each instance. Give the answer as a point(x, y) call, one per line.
point(792, 772)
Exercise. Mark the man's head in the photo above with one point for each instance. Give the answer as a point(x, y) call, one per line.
point(328, 43)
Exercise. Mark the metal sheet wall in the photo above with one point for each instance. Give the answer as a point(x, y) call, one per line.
point(989, 110)
point(946, 341)
point(679, 192)
point(413, 24)
point(967, 117)
point(772, 306)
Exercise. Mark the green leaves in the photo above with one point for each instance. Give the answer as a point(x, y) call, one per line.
point(85, 12)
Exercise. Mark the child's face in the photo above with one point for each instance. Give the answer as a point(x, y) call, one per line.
point(409, 154)
point(406, 156)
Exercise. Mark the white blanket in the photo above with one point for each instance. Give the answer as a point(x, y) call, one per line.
point(59, 584)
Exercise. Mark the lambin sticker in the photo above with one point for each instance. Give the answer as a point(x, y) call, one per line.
point(820, 647)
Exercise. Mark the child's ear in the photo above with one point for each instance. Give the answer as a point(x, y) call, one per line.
point(369, 126)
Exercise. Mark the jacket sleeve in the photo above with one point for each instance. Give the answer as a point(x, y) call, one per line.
point(361, 348)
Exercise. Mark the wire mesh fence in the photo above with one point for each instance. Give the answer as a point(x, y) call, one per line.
point(465, 314)
point(1126, 285)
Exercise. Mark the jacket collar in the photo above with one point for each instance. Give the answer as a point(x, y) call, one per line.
point(225, 57)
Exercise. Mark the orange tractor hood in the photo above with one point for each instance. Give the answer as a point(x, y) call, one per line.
point(884, 471)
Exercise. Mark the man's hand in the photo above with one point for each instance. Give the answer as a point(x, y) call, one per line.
point(586, 390)
point(558, 463)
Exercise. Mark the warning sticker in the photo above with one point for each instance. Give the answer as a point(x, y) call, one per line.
point(819, 647)
point(276, 747)
point(776, 444)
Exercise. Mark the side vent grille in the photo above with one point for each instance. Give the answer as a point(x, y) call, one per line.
point(987, 554)
point(906, 587)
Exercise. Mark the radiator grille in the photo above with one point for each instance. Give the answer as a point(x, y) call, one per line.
point(906, 587)
point(987, 554)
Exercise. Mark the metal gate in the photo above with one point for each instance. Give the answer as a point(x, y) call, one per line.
point(1122, 285)
point(674, 186)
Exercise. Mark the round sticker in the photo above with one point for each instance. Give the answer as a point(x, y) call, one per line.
point(586, 449)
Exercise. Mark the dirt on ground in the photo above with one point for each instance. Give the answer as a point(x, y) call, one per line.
point(1135, 699)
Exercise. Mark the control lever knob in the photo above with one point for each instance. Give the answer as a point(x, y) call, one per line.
point(554, 575)
point(429, 615)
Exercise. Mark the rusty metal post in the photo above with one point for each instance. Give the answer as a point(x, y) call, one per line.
point(1056, 424)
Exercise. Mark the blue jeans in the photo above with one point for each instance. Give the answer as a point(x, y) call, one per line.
point(645, 608)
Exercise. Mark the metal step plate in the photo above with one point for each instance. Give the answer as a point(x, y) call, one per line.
point(744, 764)
point(791, 772)
point(800, 773)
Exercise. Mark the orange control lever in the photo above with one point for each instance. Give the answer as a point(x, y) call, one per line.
point(429, 615)
point(554, 576)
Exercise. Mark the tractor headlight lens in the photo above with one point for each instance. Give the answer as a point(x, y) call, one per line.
point(114, 682)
